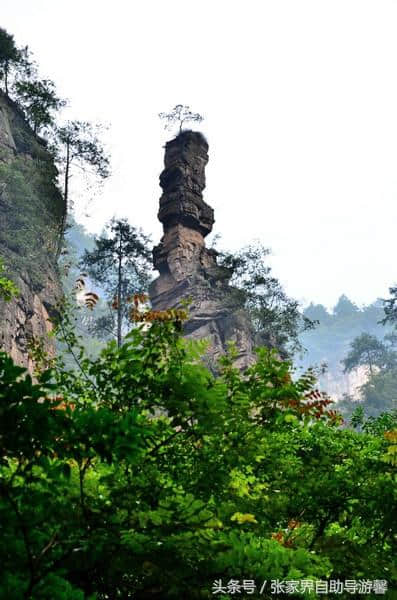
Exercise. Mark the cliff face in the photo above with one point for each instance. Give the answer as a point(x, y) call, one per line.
point(30, 214)
point(337, 383)
point(187, 268)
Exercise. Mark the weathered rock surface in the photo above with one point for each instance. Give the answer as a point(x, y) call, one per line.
point(30, 214)
point(188, 270)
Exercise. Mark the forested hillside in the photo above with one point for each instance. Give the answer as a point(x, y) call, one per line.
point(331, 338)
point(131, 466)
point(323, 346)
point(329, 343)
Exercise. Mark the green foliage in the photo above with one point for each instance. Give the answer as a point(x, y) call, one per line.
point(120, 263)
point(30, 208)
point(39, 101)
point(81, 140)
point(179, 115)
point(276, 319)
point(142, 475)
point(368, 350)
point(8, 289)
point(36, 97)
point(35, 101)
point(77, 144)
point(8, 49)
point(9, 56)
point(390, 307)
point(380, 424)
point(379, 393)
point(331, 341)
point(77, 240)
point(345, 307)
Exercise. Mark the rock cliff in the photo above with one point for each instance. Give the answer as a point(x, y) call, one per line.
point(188, 270)
point(31, 209)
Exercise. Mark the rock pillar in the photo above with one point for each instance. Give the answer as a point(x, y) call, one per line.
point(188, 270)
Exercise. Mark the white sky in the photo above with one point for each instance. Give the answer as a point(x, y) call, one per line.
point(300, 106)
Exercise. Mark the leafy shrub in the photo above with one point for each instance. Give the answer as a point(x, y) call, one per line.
point(142, 475)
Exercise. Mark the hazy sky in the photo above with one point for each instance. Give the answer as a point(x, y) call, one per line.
point(300, 106)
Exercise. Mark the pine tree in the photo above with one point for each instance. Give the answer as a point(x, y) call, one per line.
point(9, 56)
point(77, 144)
point(120, 264)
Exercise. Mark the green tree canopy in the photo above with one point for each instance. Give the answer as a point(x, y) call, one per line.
point(179, 115)
point(390, 307)
point(40, 102)
point(345, 307)
point(8, 289)
point(317, 312)
point(78, 144)
point(368, 350)
point(9, 56)
point(379, 393)
point(276, 318)
point(142, 475)
point(120, 264)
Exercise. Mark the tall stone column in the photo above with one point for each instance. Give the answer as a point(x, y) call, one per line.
point(188, 270)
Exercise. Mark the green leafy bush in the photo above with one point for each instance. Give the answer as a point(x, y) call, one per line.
point(141, 475)
point(8, 289)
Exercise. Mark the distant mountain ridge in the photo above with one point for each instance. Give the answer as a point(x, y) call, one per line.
point(330, 342)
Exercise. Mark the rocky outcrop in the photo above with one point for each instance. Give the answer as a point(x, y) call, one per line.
point(188, 270)
point(31, 209)
point(337, 384)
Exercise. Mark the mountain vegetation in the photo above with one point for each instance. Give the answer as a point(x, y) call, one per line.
point(8, 289)
point(142, 475)
point(315, 337)
point(70, 144)
point(130, 470)
point(344, 340)
point(120, 263)
point(330, 340)
point(276, 318)
point(379, 392)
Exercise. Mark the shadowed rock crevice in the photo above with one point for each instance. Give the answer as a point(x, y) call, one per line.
point(189, 270)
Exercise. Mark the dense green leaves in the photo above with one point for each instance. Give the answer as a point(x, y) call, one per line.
point(367, 350)
point(379, 392)
point(8, 289)
point(276, 318)
point(347, 339)
point(28, 234)
point(142, 475)
point(9, 56)
point(40, 102)
point(120, 263)
point(74, 143)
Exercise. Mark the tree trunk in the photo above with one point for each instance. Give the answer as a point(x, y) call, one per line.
point(119, 314)
point(65, 198)
point(67, 168)
point(6, 78)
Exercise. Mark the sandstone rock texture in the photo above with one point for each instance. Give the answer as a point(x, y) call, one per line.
point(188, 270)
point(31, 209)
